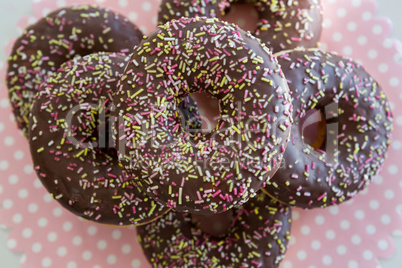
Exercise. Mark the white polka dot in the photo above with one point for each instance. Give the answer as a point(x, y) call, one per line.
point(11, 117)
point(123, 3)
point(111, 259)
point(378, 179)
point(285, 264)
point(67, 226)
point(11, 243)
point(61, 3)
point(292, 240)
point(316, 245)
point(319, 220)
point(385, 219)
point(393, 169)
point(62, 251)
point(101, 244)
point(126, 249)
point(356, 239)
point(337, 37)
point(57, 212)
point(301, 255)
point(23, 193)
point(27, 232)
point(47, 198)
point(370, 229)
point(36, 247)
point(389, 194)
point(295, 215)
point(377, 29)
point(396, 145)
point(143, 29)
point(399, 120)
point(133, 16)
point(52, 236)
point(394, 82)
point(334, 210)
point(146, 6)
point(92, 230)
point(28, 169)
point(341, 12)
point(3, 165)
point(359, 214)
point(77, 240)
point(327, 260)
point(362, 40)
point(116, 234)
point(374, 204)
point(87, 255)
point(7, 204)
point(383, 67)
point(382, 244)
point(341, 250)
point(13, 179)
point(17, 218)
point(72, 264)
point(1, 126)
point(18, 155)
point(367, 15)
point(353, 264)
point(42, 222)
point(136, 263)
point(388, 43)
point(305, 230)
point(347, 50)
point(9, 141)
point(37, 184)
point(372, 54)
point(323, 46)
point(4, 103)
point(46, 262)
point(330, 234)
point(368, 255)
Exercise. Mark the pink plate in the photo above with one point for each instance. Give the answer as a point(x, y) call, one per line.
point(353, 234)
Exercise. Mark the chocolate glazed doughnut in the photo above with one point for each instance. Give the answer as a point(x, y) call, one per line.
point(56, 38)
point(212, 172)
point(283, 24)
point(258, 237)
point(358, 130)
point(71, 148)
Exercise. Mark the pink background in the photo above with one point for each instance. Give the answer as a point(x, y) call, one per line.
point(351, 235)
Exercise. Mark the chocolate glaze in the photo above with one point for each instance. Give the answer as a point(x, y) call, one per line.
point(202, 173)
point(358, 131)
point(258, 237)
point(56, 38)
point(283, 24)
point(71, 150)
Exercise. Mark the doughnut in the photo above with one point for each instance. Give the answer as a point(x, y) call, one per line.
point(202, 173)
point(358, 130)
point(282, 24)
point(258, 237)
point(70, 144)
point(56, 38)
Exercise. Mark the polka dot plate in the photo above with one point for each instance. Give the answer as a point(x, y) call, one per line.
point(351, 235)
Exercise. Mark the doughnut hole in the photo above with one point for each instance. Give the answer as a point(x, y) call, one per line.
point(236, 14)
point(312, 127)
point(208, 108)
point(216, 224)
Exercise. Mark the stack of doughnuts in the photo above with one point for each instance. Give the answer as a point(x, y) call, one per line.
point(115, 136)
